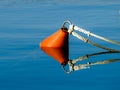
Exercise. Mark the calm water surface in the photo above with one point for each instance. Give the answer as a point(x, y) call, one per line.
point(24, 23)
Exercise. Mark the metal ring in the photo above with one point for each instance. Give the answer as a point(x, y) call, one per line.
point(67, 21)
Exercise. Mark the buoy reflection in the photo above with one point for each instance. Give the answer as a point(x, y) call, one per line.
point(59, 54)
point(62, 56)
point(72, 66)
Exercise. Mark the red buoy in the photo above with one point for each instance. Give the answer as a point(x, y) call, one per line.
point(56, 45)
point(58, 39)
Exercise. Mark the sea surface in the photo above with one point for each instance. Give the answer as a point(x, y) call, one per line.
point(25, 23)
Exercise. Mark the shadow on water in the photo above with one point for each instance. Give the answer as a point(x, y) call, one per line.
point(62, 56)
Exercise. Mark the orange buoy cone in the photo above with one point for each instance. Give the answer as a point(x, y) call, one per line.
point(59, 54)
point(58, 39)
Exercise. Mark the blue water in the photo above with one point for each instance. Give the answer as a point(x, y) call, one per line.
point(24, 23)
